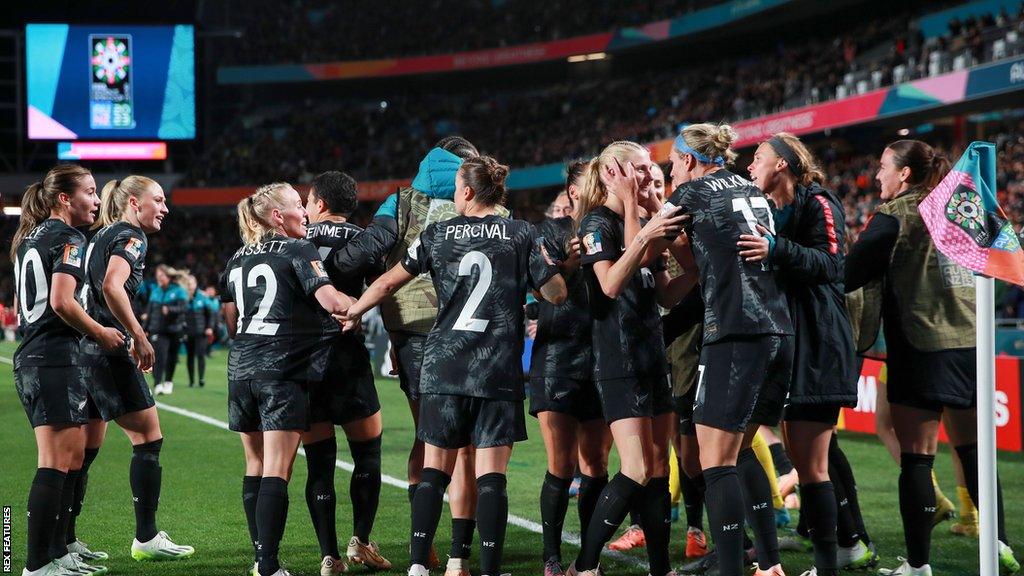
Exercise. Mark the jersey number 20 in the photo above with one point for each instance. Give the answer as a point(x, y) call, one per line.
point(465, 321)
point(257, 324)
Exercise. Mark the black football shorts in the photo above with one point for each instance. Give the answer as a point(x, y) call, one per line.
point(409, 353)
point(263, 405)
point(52, 395)
point(115, 384)
point(742, 381)
point(576, 398)
point(347, 392)
point(449, 421)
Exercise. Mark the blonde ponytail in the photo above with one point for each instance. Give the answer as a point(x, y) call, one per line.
point(252, 211)
point(114, 198)
point(711, 142)
point(40, 199)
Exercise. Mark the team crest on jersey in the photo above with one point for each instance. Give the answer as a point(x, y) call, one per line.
point(134, 247)
point(592, 242)
point(318, 267)
point(72, 255)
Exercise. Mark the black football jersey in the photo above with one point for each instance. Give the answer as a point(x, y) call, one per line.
point(329, 237)
point(482, 268)
point(50, 248)
point(561, 348)
point(283, 332)
point(626, 331)
point(118, 239)
point(741, 298)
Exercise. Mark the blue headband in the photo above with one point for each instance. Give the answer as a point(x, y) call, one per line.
point(683, 147)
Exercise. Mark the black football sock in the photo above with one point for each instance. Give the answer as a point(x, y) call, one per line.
point(364, 489)
point(839, 466)
point(250, 496)
point(634, 517)
point(655, 506)
point(44, 501)
point(144, 474)
point(757, 496)
point(426, 513)
point(802, 528)
point(554, 502)
point(321, 498)
point(612, 506)
point(590, 491)
point(917, 505)
point(693, 500)
point(725, 517)
point(462, 537)
point(780, 458)
point(80, 486)
point(412, 491)
point(271, 516)
point(818, 503)
point(491, 520)
point(59, 542)
point(968, 454)
point(847, 534)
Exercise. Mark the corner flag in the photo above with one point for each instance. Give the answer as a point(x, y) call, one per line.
point(966, 222)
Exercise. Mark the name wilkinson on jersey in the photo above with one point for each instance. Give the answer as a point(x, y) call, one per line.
point(467, 231)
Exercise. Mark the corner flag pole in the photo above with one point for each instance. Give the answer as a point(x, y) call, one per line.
point(985, 311)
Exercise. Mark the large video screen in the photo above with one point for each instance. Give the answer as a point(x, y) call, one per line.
point(110, 82)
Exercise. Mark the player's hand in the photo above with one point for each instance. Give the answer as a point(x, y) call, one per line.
point(666, 223)
point(143, 354)
point(572, 263)
point(754, 248)
point(531, 329)
point(109, 339)
point(620, 180)
point(394, 361)
point(163, 310)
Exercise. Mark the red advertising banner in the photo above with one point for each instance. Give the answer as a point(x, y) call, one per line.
point(1007, 412)
point(373, 191)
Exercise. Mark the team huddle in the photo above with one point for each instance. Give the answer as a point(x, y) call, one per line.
point(682, 324)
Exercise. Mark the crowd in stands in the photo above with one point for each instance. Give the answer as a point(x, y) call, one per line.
point(530, 126)
point(275, 32)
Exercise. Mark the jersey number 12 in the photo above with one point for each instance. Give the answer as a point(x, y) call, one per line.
point(257, 324)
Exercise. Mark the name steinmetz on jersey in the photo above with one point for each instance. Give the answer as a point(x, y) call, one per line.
point(481, 269)
point(281, 327)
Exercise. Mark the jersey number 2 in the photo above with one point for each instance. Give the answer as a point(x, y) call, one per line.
point(746, 206)
point(257, 324)
point(465, 321)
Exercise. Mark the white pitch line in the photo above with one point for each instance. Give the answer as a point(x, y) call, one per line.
point(570, 538)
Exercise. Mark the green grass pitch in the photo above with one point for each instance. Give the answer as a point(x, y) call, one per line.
point(201, 499)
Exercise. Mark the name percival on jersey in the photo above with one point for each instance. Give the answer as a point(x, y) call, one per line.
point(482, 268)
point(627, 336)
point(741, 298)
point(118, 239)
point(329, 237)
point(561, 348)
point(282, 330)
point(50, 248)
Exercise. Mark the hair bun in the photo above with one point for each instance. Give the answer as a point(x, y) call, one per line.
point(724, 137)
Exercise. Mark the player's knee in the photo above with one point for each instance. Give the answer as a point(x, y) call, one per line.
point(636, 469)
point(366, 454)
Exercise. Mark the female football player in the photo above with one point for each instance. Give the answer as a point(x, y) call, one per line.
point(114, 261)
point(48, 253)
point(627, 280)
point(278, 301)
point(482, 265)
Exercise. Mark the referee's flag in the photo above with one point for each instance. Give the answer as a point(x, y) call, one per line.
point(966, 222)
